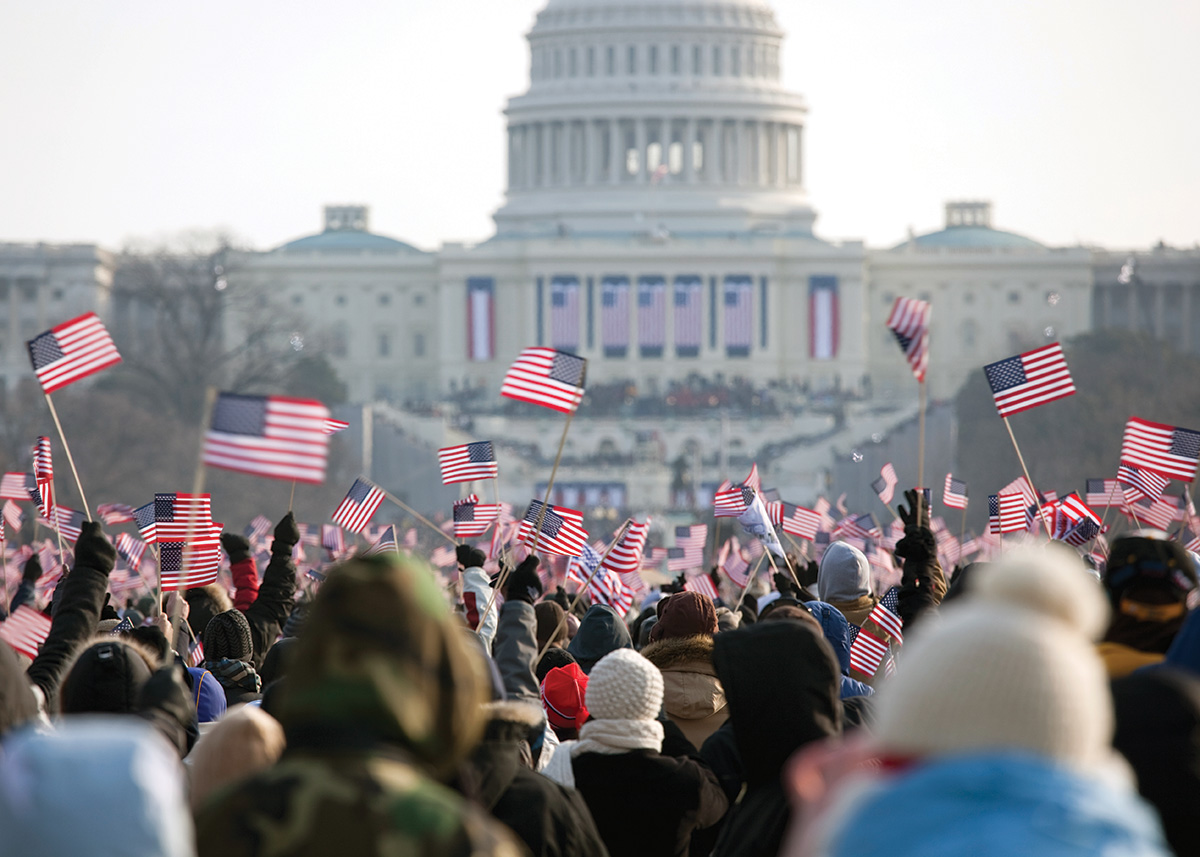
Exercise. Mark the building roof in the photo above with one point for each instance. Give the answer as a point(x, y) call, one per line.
point(971, 238)
point(346, 241)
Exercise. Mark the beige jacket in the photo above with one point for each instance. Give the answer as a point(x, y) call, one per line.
point(692, 693)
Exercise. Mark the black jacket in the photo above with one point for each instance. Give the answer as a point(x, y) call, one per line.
point(782, 682)
point(274, 602)
point(552, 820)
point(80, 600)
point(600, 632)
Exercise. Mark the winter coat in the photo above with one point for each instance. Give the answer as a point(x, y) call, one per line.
point(515, 649)
point(692, 693)
point(239, 680)
point(782, 682)
point(600, 632)
point(923, 584)
point(1158, 730)
point(837, 634)
point(388, 704)
point(274, 602)
point(648, 804)
point(990, 805)
point(552, 820)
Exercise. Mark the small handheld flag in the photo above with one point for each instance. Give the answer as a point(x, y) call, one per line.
point(909, 323)
point(270, 436)
point(1030, 379)
point(546, 377)
point(71, 351)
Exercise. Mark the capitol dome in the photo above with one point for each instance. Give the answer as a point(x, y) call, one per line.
point(665, 115)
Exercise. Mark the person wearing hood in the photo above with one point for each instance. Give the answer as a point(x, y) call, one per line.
point(681, 644)
point(837, 633)
point(600, 632)
point(1147, 581)
point(388, 704)
point(644, 800)
point(994, 736)
point(782, 681)
point(844, 580)
point(228, 652)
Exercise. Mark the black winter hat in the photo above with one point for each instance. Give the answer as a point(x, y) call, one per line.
point(201, 608)
point(1136, 564)
point(227, 635)
point(107, 677)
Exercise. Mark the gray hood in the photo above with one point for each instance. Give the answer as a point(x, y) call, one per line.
point(845, 574)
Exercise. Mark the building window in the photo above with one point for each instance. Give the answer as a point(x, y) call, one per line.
point(385, 299)
point(28, 288)
point(573, 63)
point(3, 288)
point(888, 298)
point(297, 300)
point(385, 344)
point(716, 60)
point(697, 59)
point(610, 61)
point(735, 62)
point(675, 61)
point(340, 300)
point(57, 294)
point(631, 61)
point(968, 297)
point(1014, 297)
point(339, 346)
point(591, 62)
point(970, 330)
point(419, 345)
point(419, 300)
point(752, 61)
point(558, 63)
point(652, 59)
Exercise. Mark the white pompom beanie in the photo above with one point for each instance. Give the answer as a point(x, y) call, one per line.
point(624, 686)
point(1009, 667)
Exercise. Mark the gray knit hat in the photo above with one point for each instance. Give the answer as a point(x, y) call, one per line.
point(227, 635)
point(623, 685)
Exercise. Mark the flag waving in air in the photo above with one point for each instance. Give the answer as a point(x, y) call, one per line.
point(71, 351)
point(546, 377)
point(954, 494)
point(358, 505)
point(1166, 450)
point(885, 485)
point(1030, 379)
point(468, 462)
point(562, 529)
point(43, 473)
point(271, 436)
point(909, 323)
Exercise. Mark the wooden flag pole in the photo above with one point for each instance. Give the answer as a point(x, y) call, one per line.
point(920, 441)
point(895, 517)
point(420, 518)
point(87, 510)
point(292, 498)
point(496, 496)
point(210, 400)
point(1111, 494)
point(749, 580)
point(1037, 501)
point(962, 531)
point(579, 594)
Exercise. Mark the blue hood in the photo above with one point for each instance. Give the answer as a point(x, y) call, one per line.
point(996, 805)
point(836, 628)
point(1185, 648)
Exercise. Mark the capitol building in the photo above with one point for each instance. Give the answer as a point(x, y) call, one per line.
point(656, 221)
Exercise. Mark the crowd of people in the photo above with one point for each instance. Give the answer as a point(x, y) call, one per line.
point(1027, 706)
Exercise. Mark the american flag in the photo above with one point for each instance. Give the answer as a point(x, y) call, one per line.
point(1030, 379)
point(885, 485)
point(798, 521)
point(258, 528)
point(730, 501)
point(130, 549)
point(144, 517)
point(16, 486)
point(68, 522)
point(867, 651)
point(26, 630)
point(1099, 492)
point(43, 473)
point(689, 315)
point(333, 426)
point(472, 518)
point(124, 580)
point(309, 534)
point(678, 560)
point(909, 323)
point(652, 316)
point(1075, 509)
point(410, 538)
point(358, 506)
point(885, 614)
point(734, 563)
point(443, 556)
point(1160, 513)
point(114, 513)
point(614, 316)
point(1006, 513)
point(1021, 486)
point(468, 462)
point(13, 516)
point(858, 526)
point(1163, 449)
point(702, 584)
point(271, 436)
point(543, 376)
point(626, 555)
point(564, 313)
point(1141, 483)
point(333, 539)
point(606, 587)
point(692, 540)
point(739, 315)
point(184, 565)
point(386, 542)
point(195, 656)
point(72, 350)
point(181, 517)
point(954, 494)
point(561, 533)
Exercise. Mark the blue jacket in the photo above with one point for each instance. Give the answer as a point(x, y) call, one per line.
point(836, 628)
point(996, 805)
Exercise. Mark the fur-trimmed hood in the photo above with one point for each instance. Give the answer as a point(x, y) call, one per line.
point(682, 653)
point(692, 694)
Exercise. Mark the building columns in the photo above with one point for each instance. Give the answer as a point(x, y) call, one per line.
point(614, 150)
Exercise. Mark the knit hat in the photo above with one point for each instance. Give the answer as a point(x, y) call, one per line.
point(227, 635)
point(1009, 667)
point(623, 685)
point(685, 614)
point(1141, 566)
point(554, 657)
point(562, 693)
point(551, 624)
point(106, 677)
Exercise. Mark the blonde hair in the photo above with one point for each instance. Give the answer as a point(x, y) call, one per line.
point(242, 743)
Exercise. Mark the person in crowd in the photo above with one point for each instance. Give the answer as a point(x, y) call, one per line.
point(228, 651)
point(243, 743)
point(601, 631)
point(844, 580)
point(681, 645)
point(994, 736)
point(836, 630)
point(386, 707)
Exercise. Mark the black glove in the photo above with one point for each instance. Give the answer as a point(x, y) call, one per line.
point(108, 611)
point(909, 515)
point(811, 571)
point(524, 584)
point(154, 639)
point(786, 586)
point(470, 557)
point(674, 586)
point(93, 549)
point(33, 570)
point(237, 547)
point(287, 534)
point(561, 598)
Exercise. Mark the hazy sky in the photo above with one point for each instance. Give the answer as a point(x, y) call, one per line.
point(1080, 119)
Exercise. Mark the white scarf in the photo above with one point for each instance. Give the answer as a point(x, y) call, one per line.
point(607, 737)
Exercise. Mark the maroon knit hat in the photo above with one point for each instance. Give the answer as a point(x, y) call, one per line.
point(685, 614)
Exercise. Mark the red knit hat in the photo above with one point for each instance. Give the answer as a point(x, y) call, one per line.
point(563, 692)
